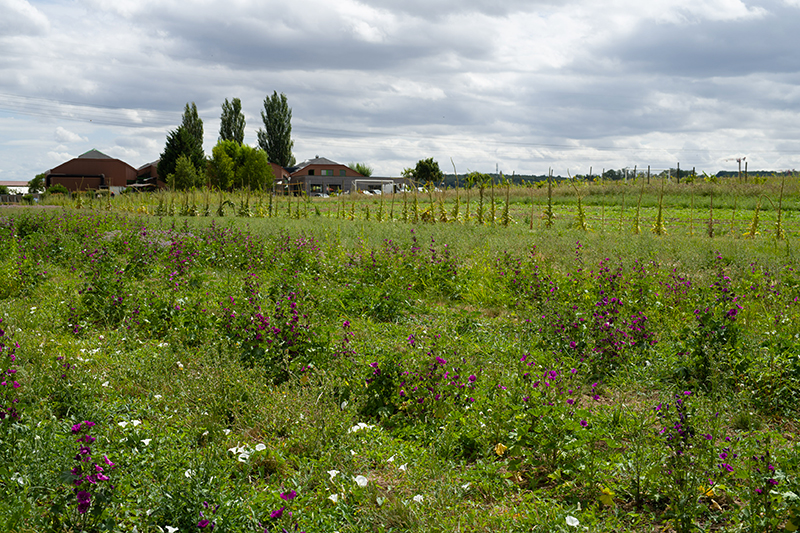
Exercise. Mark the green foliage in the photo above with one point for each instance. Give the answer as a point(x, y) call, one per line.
point(232, 122)
point(185, 176)
point(427, 171)
point(276, 137)
point(180, 142)
point(57, 189)
point(361, 168)
point(193, 124)
point(37, 183)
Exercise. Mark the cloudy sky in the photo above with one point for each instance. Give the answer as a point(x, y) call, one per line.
point(523, 85)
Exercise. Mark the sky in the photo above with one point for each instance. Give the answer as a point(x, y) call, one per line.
point(519, 86)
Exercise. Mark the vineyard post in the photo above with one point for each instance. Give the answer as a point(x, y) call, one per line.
point(678, 177)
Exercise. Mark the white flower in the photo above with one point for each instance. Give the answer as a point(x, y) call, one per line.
point(158, 397)
point(402, 467)
point(122, 424)
point(334, 498)
point(332, 473)
point(146, 442)
point(189, 473)
point(171, 529)
point(136, 422)
point(390, 459)
point(104, 384)
point(466, 486)
point(180, 365)
point(226, 430)
point(418, 498)
point(361, 481)
point(359, 427)
point(260, 447)
point(572, 521)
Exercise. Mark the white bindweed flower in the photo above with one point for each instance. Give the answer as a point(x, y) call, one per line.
point(402, 467)
point(225, 431)
point(122, 424)
point(390, 459)
point(171, 529)
point(572, 521)
point(260, 447)
point(157, 396)
point(334, 498)
point(104, 384)
point(189, 473)
point(146, 442)
point(418, 498)
point(136, 422)
point(361, 481)
point(332, 473)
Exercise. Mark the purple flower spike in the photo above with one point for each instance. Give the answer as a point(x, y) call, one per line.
point(203, 523)
point(278, 513)
point(289, 495)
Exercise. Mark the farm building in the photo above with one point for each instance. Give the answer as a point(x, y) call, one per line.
point(91, 171)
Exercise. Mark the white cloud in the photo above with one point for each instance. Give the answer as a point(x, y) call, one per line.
point(21, 18)
point(63, 135)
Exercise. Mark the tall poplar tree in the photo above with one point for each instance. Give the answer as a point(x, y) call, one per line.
point(231, 126)
point(276, 137)
point(194, 125)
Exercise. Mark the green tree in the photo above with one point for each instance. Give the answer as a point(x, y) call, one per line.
point(222, 165)
point(253, 170)
point(427, 170)
point(180, 142)
point(231, 126)
point(194, 125)
point(3, 189)
point(37, 183)
point(276, 137)
point(185, 175)
point(362, 168)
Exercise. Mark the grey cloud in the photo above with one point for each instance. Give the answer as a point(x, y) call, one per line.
point(714, 48)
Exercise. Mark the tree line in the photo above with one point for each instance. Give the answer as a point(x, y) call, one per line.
point(232, 164)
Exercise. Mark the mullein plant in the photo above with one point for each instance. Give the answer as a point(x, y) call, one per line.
point(752, 231)
point(658, 227)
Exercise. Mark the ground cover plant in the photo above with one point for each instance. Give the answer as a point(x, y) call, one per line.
point(271, 373)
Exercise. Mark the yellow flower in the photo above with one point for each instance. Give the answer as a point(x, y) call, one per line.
point(500, 449)
point(606, 497)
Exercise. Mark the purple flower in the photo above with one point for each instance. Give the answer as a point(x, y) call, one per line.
point(288, 495)
point(84, 501)
point(472, 378)
point(584, 423)
point(278, 513)
point(203, 523)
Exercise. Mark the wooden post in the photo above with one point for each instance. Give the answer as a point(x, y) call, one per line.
point(679, 173)
point(648, 174)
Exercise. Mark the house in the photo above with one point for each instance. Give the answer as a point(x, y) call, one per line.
point(91, 171)
point(321, 176)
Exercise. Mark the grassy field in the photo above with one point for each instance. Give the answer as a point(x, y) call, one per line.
point(319, 365)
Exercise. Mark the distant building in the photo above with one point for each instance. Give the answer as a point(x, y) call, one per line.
point(323, 176)
point(15, 187)
point(92, 171)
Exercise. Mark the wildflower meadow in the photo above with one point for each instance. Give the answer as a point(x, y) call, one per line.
point(332, 369)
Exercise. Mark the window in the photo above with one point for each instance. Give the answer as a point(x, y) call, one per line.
point(343, 172)
point(311, 172)
point(326, 173)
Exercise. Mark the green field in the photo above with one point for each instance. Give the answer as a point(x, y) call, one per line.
point(352, 364)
